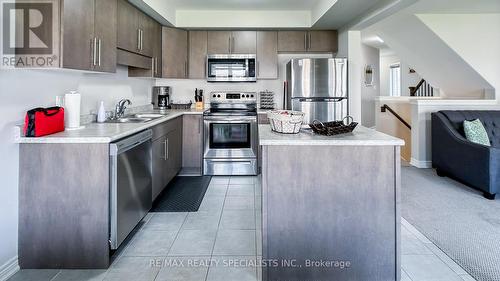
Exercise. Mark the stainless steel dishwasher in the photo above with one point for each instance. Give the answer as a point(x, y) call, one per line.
point(131, 184)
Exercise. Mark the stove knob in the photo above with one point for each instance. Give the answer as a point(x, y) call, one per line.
point(214, 96)
point(251, 96)
point(218, 96)
point(248, 96)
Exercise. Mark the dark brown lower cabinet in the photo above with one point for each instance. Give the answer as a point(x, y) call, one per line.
point(167, 154)
point(192, 144)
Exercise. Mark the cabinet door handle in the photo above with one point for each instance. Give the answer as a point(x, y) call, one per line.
point(167, 156)
point(305, 41)
point(138, 39)
point(200, 125)
point(91, 52)
point(155, 66)
point(229, 46)
point(165, 149)
point(99, 60)
point(185, 69)
point(94, 52)
point(309, 42)
point(142, 39)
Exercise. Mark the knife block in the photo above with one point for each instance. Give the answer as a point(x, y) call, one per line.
point(199, 105)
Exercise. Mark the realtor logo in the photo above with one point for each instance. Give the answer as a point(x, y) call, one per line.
point(28, 33)
point(28, 29)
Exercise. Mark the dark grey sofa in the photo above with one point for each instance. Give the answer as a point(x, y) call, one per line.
point(454, 156)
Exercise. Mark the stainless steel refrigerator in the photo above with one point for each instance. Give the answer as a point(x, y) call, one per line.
point(317, 87)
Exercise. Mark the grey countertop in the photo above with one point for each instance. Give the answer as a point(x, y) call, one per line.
point(109, 132)
point(102, 132)
point(361, 136)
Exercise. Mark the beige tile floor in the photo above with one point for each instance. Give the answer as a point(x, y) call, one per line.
point(222, 242)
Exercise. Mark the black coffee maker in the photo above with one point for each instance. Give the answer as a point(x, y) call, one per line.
point(161, 97)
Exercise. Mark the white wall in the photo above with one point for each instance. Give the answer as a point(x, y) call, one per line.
point(416, 44)
point(183, 89)
point(21, 90)
point(343, 43)
point(407, 79)
point(242, 19)
point(370, 56)
point(474, 37)
point(385, 79)
point(355, 57)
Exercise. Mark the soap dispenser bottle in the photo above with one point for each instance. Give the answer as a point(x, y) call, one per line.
point(101, 113)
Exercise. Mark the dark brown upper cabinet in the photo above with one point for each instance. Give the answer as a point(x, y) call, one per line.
point(154, 69)
point(128, 37)
point(157, 51)
point(323, 41)
point(308, 41)
point(89, 35)
point(243, 42)
point(148, 36)
point(135, 30)
point(197, 57)
point(267, 54)
point(232, 42)
point(174, 52)
point(292, 41)
point(219, 42)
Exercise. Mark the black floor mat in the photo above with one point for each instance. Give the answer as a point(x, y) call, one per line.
point(182, 194)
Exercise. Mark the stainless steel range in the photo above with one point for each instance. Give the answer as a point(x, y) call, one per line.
point(230, 130)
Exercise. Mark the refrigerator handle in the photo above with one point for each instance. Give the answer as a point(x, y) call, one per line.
point(285, 94)
point(333, 99)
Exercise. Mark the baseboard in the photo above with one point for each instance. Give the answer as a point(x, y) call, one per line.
point(8, 269)
point(190, 172)
point(421, 164)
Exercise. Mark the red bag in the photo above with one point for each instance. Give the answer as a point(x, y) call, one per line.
point(44, 121)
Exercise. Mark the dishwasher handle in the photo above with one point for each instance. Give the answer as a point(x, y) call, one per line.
point(128, 143)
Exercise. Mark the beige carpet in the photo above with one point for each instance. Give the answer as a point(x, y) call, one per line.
point(456, 218)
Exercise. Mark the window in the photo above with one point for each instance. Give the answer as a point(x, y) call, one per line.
point(395, 80)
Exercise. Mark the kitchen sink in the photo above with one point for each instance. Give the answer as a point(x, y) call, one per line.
point(137, 118)
point(148, 115)
point(130, 120)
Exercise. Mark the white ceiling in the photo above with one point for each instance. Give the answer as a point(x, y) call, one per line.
point(212, 14)
point(345, 11)
point(292, 5)
point(428, 7)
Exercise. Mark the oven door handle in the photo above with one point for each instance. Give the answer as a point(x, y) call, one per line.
point(229, 119)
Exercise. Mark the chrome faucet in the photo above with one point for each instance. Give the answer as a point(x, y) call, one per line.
point(120, 108)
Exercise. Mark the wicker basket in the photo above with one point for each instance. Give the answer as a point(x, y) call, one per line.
point(332, 128)
point(285, 121)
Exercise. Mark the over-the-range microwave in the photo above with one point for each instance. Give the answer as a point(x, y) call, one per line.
point(231, 68)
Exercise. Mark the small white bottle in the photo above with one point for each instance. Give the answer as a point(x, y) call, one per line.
point(101, 113)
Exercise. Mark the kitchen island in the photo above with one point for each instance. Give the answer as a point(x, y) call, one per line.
point(330, 206)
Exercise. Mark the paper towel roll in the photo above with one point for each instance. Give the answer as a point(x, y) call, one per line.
point(72, 110)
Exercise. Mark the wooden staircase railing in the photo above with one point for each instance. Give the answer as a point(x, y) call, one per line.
point(385, 107)
point(423, 89)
